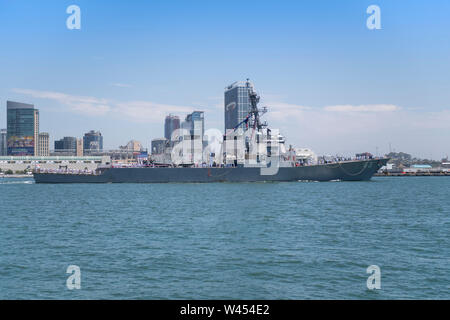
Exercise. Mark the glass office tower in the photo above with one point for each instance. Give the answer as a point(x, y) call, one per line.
point(22, 128)
point(195, 124)
point(3, 144)
point(193, 131)
point(171, 124)
point(66, 143)
point(237, 104)
point(92, 142)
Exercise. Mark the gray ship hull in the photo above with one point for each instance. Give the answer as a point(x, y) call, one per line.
point(344, 171)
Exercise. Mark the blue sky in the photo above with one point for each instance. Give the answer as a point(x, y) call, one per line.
point(330, 83)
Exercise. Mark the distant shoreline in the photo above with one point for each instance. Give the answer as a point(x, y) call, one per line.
point(421, 174)
point(16, 176)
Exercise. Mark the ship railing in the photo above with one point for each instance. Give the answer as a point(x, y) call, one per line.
point(69, 171)
point(331, 160)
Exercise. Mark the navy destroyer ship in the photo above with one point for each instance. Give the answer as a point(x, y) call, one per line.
point(250, 152)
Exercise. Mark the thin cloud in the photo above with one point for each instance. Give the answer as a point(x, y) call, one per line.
point(284, 111)
point(146, 111)
point(137, 111)
point(80, 104)
point(287, 111)
point(363, 108)
point(122, 85)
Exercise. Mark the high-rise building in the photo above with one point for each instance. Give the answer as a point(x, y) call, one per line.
point(171, 124)
point(43, 144)
point(92, 142)
point(79, 152)
point(59, 145)
point(237, 104)
point(3, 144)
point(66, 145)
point(36, 132)
point(22, 128)
point(193, 128)
point(195, 124)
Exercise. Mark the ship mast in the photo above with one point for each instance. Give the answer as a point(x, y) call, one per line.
point(254, 111)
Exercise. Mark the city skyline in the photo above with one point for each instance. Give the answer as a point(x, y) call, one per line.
point(329, 82)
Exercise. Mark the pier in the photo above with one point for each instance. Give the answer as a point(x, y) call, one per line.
point(413, 174)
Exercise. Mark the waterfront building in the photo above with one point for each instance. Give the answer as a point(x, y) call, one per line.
point(421, 166)
point(92, 142)
point(237, 104)
point(132, 146)
point(59, 145)
point(66, 145)
point(194, 124)
point(36, 132)
point(43, 144)
point(22, 128)
point(3, 145)
point(79, 150)
point(193, 129)
point(21, 163)
point(171, 124)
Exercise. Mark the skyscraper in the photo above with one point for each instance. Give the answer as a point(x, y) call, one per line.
point(59, 145)
point(171, 124)
point(237, 104)
point(67, 145)
point(36, 132)
point(195, 124)
point(92, 142)
point(43, 144)
point(3, 145)
point(22, 128)
point(193, 130)
point(79, 152)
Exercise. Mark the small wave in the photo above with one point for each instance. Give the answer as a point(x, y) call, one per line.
point(17, 182)
point(335, 180)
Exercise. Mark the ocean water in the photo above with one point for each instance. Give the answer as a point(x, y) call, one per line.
point(301, 240)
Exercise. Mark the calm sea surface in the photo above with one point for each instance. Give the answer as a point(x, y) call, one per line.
point(226, 240)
